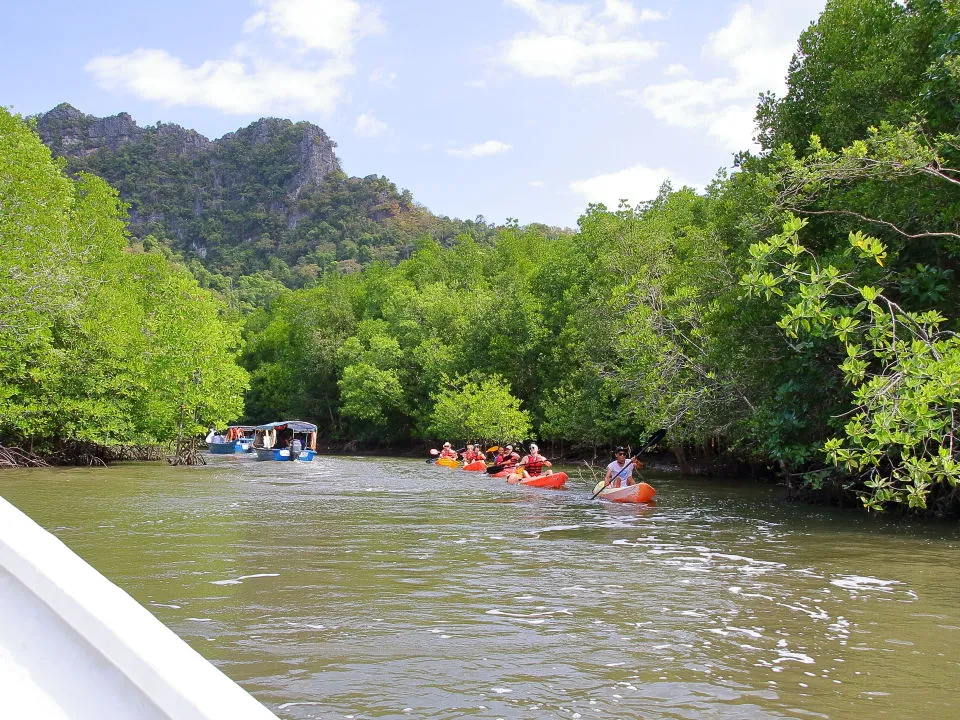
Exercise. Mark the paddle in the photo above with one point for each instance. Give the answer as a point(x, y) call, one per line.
point(652, 440)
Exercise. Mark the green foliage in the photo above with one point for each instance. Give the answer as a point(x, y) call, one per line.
point(481, 409)
point(902, 367)
point(98, 342)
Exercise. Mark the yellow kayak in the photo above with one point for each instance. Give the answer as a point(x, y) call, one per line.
point(448, 462)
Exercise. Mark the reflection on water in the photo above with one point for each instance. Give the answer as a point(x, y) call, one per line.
point(358, 588)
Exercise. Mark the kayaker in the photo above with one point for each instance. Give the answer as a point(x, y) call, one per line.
point(621, 469)
point(507, 457)
point(472, 455)
point(448, 452)
point(534, 464)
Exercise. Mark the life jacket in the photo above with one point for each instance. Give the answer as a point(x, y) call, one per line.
point(534, 464)
point(448, 453)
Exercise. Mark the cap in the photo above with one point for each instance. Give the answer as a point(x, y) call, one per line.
point(621, 449)
point(533, 447)
point(509, 447)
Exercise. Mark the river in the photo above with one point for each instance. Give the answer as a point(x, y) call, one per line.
point(385, 588)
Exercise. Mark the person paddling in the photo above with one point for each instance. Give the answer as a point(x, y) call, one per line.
point(620, 471)
point(532, 465)
point(472, 455)
point(448, 452)
point(507, 458)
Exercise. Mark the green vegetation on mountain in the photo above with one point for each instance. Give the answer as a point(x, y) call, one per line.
point(261, 208)
point(798, 316)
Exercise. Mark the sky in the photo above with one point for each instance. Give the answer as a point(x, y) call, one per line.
point(526, 109)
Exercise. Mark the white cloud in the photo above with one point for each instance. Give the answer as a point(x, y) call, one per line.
point(754, 48)
point(490, 147)
point(367, 125)
point(536, 183)
point(334, 26)
point(318, 39)
point(576, 44)
point(634, 184)
point(676, 70)
point(235, 85)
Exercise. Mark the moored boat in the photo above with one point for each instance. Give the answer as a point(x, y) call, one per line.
point(286, 440)
point(639, 493)
point(237, 439)
point(554, 481)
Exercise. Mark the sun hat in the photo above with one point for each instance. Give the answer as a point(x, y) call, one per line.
point(446, 444)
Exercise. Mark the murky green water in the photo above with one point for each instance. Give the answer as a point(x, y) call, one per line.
point(358, 588)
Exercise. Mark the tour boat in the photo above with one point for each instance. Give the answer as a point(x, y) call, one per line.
point(639, 493)
point(554, 481)
point(237, 439)
point(74, 645)
point(297, 440)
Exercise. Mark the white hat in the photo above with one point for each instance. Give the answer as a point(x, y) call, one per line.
point(534, 448)
point(446, 444)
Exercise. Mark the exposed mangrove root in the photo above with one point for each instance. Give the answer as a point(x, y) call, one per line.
point(187, 453)
point(14, 457)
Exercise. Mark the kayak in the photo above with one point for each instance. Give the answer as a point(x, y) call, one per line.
point(506, 472)
point(639, 493)
point(475, 466)
point(448, 462)
point(554, 482)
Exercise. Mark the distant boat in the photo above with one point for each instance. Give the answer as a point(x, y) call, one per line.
point(237, 439)
point(286, 440)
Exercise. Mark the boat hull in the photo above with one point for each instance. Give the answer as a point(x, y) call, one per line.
point(639, 493)
point(283, 455)
point(229, 448)
point(553, 482)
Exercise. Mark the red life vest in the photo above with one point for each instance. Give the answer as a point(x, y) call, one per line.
point(534, 464)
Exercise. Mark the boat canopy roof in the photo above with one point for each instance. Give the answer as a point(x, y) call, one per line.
point(242, 427)
point(295, 425)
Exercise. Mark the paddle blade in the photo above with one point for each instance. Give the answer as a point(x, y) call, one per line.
point(494, 469)
point(434, 451)
point(652, 440)
point(493, 449)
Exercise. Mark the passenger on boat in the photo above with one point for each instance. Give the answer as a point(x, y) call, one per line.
point(448, 452)
point(283, 439)
point(534, 464)
point(620, 471)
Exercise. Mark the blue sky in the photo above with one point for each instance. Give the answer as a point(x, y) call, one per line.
point(503, 108)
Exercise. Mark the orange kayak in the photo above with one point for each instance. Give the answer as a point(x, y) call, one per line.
point(475, 466)
point(639, 493)
point(554, 481)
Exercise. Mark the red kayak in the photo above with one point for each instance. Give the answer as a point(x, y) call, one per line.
point(554, 482)
point(475, 466)
point(639, 493)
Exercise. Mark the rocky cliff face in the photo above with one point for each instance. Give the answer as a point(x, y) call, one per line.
point(311, 157)
point(272, 191)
